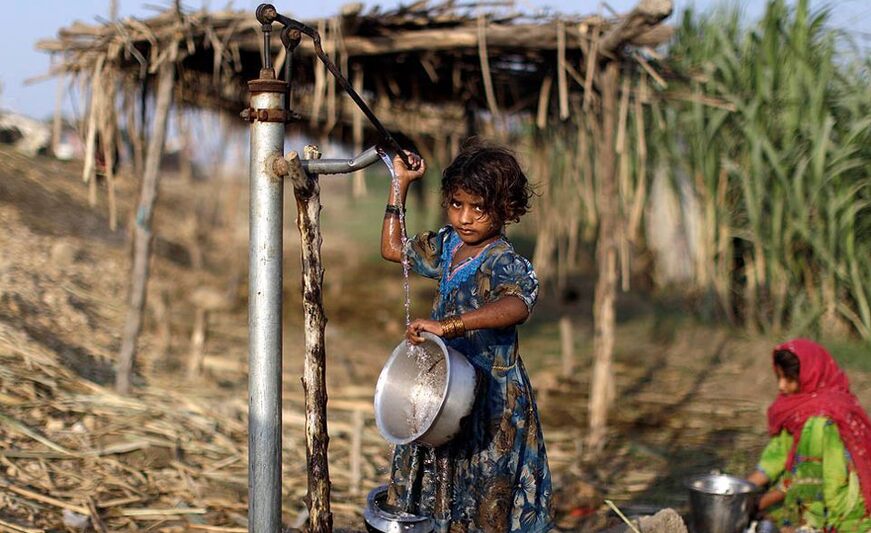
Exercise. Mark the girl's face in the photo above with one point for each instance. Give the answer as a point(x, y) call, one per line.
point(785, 384)
point(467, 215)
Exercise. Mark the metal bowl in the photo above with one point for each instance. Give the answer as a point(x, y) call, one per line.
point(381, 517)
point(423, 393)
point(720, 503)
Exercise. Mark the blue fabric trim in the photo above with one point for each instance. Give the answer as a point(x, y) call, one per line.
point(451, 280)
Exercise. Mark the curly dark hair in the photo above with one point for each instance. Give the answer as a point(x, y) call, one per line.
point(788, 363)
point(493, 173)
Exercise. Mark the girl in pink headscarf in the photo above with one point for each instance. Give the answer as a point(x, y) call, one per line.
point(818, 463)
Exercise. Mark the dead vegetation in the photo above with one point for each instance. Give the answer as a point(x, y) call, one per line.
point(173, 456)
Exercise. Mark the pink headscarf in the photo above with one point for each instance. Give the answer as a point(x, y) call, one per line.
point(824, 391)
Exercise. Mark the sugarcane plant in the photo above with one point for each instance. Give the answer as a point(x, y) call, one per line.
point(784, 179)
point(768, 146)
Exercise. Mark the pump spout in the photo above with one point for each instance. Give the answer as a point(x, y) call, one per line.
point(341, 166)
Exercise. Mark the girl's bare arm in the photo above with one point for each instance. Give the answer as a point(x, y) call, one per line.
point(504, 312)
point(391, 232)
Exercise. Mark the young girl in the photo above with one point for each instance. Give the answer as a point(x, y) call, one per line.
point(819, 459)
point(493, 477)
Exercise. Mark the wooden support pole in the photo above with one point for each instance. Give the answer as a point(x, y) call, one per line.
point(306, 190)
point(107, 125)
point(643, 17)
point(359, 177)
point(89, 169)
point(320, 86)
point(58, 112)
point(485, 68)
point(143, 233)
point(606, 260)
point(562, 83)
point(543, 102)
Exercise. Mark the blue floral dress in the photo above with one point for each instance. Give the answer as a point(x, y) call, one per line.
point(493, 477)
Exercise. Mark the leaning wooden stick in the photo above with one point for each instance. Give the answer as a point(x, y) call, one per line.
point(308, 202)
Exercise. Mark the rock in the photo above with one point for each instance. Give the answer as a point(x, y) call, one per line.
point(665, 521)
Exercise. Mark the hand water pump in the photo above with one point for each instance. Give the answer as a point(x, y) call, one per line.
point(268, 112)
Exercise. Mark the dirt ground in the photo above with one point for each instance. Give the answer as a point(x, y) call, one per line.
point(690, 395)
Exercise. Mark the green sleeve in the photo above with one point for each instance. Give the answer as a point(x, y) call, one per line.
point(840, 486)
point(772, 462)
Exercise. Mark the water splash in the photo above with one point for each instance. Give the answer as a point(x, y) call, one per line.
point(425, 394)
point(426, 390)
point(403, 238)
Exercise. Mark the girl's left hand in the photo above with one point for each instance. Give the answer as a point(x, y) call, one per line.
point(421, 324)
point(407, 175)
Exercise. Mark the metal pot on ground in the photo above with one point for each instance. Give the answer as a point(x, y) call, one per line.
point(720, 503)
point(381, 517)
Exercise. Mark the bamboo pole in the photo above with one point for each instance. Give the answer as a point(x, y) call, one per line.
point(485, 68)
point(543, 102)
point(606, 260)
point(107, 125)
point(623, 185)
point(359, 177)
point(89, 169)
point(320, 85)
point(143, 231)
point(645, 15)
point(562, 82)
point(332, 48)
point(306, 190)
point(592, 57)
point(56, 120)
point(640, 196)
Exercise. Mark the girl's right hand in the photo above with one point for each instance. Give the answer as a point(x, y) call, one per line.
point(422, 324)
point(406, 175)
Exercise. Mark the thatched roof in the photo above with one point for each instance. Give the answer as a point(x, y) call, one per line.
point(422, 67)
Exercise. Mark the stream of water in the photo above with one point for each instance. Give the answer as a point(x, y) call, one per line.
point(403, 237)
point(426, 389)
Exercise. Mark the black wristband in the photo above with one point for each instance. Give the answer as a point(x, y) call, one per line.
point(394, 209)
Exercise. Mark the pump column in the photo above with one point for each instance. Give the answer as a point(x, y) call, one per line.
point(267, 116)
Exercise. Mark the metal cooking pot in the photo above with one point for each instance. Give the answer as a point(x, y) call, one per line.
point(423, 393)
point(721, 503)
point(383, 518)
